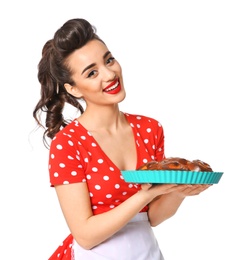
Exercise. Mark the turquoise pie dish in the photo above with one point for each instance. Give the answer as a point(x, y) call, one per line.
point(171, 176)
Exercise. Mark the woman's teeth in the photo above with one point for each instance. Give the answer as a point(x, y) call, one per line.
point(112, 87)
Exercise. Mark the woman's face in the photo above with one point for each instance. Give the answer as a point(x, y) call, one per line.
point(97, 75)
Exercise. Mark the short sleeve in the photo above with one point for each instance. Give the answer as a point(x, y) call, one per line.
point(65, 164)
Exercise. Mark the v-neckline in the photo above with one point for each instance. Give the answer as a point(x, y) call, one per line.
point(102, 151)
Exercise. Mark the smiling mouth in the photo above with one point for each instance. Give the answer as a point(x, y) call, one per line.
point(111, 88)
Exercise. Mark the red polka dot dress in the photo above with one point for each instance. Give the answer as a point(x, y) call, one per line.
point(75, 156)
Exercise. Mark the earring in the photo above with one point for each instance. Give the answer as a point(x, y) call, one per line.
point(57, 88)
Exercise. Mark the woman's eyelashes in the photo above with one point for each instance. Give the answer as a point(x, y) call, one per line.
point(91, 73)
point(109, 61)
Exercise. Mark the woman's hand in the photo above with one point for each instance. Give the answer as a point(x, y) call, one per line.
point(182, 190)
point(193, 189)
point(159, 188)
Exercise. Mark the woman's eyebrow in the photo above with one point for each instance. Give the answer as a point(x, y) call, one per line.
point(93, 64)
point(106, 54)
point(88, 67)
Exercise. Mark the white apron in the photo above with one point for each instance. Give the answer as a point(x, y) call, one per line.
point(135, 241)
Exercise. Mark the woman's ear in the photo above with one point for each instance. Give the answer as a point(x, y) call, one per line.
point(74, 91)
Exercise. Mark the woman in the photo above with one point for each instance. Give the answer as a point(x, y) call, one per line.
point(107, 217)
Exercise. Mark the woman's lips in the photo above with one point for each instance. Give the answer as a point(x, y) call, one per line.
point(113, 88)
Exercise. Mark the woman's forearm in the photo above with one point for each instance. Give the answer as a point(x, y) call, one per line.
point(98, 228)
point(90, 230)
point(102, 226)
point(164, 207)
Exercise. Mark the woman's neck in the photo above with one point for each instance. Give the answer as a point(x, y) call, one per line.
point(103, 119)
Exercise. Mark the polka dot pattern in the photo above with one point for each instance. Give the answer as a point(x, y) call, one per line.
point(75, 156)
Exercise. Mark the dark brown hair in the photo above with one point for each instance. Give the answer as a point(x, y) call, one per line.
point(53, 73)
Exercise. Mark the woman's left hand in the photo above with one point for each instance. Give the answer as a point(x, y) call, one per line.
point(192, 189)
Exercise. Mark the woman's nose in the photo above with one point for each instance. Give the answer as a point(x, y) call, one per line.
point(109, 75)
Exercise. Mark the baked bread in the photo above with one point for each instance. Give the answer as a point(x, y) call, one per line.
point(177, 164)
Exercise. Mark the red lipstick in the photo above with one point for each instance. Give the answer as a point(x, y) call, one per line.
point(113, 88)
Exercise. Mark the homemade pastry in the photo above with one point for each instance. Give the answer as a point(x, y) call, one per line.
point(178, 164)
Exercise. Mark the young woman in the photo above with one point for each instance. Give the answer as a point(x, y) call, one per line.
point(107, 217)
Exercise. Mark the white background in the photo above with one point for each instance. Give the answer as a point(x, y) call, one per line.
point(183, 64)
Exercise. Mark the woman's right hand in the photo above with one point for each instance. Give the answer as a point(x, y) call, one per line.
point(160, 189)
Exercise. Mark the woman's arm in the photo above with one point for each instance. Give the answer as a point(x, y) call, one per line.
point(165, 206)
point(90, 230)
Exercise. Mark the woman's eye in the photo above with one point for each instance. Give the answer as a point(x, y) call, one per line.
point(92, 73)
point(110, 60)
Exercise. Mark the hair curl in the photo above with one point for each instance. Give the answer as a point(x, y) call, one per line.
point(53, 73)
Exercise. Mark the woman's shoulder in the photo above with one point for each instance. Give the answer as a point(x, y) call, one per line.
point(73, 130)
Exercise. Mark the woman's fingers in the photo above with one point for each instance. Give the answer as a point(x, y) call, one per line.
point(146, 186)
point(183, 189)
point(194, 189)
